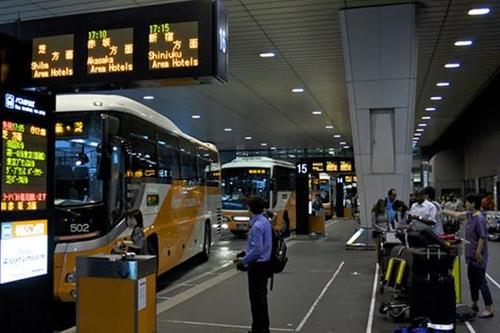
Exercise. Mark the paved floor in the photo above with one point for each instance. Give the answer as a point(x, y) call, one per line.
point(323, 289)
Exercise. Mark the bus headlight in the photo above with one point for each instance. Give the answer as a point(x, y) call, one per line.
point(225, 226)
point(241, 218)
point(71, 277)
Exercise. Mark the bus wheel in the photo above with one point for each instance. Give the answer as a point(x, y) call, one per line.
point(207, 242)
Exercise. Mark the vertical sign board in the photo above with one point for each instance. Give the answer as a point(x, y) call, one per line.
point(26, 166)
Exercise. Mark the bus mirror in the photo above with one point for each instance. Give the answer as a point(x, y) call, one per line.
point(104, 171)
point(110, 126)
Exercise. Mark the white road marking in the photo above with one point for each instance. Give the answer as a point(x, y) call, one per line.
point(493, 281)
point(469, 327)
point(303, 322)
point(369, 325)
point(222, 325)
point(355, 236)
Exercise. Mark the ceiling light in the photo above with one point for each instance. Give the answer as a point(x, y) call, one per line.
point(417, 134)
point(443, 84)
point(148, 97)
point(436, 98)
point(452, 65)
point(329, 126)
point(478, 11)
point(430, 109)
point(228, 129)
point(463, 43)
point(298, 90)
point(345, 147)
point(426, 117)
point(273, 148)
point(317, 112)
point(196, 116)
point(337, 136)
point(422, 125)
point(263, 144)
point(267, 55)
point(248, 138)
point(420, 130)
point(343, 143)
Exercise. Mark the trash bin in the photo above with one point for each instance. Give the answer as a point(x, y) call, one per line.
point(116, 294)
point(317, 224)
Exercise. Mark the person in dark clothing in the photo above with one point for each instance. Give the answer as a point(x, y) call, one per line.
point(257, 261)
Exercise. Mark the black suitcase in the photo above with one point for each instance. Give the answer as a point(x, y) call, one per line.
point(432, 293)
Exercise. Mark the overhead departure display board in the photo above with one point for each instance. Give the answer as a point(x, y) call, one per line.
point(110, 51)
point(334, 165)
point(173, 45)
point(24, 167)
point(52, 56)
point(184, 42)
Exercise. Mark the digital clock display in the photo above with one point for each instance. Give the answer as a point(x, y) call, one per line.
point(110, 51)
point(173, 45)
point(52, 57)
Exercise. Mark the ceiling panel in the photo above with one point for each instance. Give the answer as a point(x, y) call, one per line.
point(306, 36)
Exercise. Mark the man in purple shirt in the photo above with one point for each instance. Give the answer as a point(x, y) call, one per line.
point(476, 252)
point(257, 260)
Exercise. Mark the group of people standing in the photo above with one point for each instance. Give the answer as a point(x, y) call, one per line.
point(426, 212)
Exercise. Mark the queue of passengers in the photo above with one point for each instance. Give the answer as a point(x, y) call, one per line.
point(426, 212)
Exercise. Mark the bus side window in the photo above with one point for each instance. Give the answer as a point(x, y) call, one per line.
point(143, 159)
point(189, 169)
point(214, 169)
point(168, 160)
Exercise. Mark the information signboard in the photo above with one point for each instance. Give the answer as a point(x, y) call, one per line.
point(142, 46)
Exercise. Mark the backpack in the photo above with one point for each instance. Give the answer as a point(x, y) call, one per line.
point(278, 255)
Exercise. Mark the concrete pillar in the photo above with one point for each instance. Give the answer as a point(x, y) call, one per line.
point(380, 53)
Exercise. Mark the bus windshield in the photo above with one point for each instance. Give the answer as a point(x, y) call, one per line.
point(241, 183)
point(77, 160)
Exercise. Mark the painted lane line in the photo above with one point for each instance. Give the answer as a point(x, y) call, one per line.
point(355, 236)
point(469, 327)
point(369, 325)
point(221, 325)
point(303, 322)
point(197, 289)
point(493, 281)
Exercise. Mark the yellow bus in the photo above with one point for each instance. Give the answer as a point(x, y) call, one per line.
point(271, 179)
point(114, 155)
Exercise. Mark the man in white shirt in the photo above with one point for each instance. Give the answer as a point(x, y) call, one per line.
point(422, 213)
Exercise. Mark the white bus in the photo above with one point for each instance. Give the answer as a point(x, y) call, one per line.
point(114, 155)
point(272, 180)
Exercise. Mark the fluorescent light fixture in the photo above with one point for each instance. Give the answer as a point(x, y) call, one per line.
point(345, 147)
point(420, 130)
point(343, 143)
point(248, 138)
point(422, 125)
point(463, 43)
point(329, 126)
point(430, 109)
point(337, 136)
point(452, 65)
point(263, 144)
point(443, 84)
point(298, 90)
point(148, 97)
point(196, 116)
point(426, 117)
point(273, 148)
point(478, 11)
point(241, 218)
point(436, 98)
point(317, 112)
point(228, 129)
point(267, 55)
point(417, 134)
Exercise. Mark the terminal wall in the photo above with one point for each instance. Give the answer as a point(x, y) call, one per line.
point(447, 171)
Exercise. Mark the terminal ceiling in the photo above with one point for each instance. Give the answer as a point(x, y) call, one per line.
point(305, 34)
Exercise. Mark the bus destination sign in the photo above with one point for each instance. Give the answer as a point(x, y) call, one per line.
point(110, 51)
point(52, 57)
point(173, 45)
